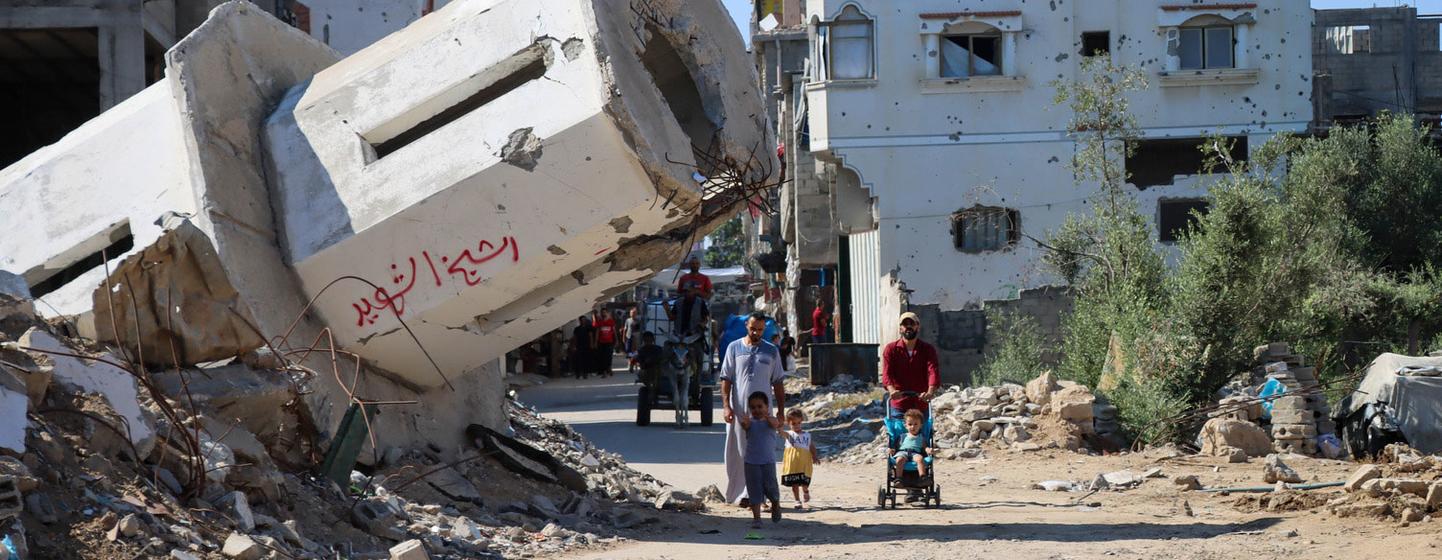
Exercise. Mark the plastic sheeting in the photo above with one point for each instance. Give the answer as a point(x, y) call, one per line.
point(1414, 402)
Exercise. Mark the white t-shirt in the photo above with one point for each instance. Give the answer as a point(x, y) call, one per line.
point(799, 440)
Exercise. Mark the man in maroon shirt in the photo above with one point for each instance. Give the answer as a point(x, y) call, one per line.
point(910, 365)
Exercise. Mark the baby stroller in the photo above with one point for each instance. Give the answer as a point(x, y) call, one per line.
point(923, 487)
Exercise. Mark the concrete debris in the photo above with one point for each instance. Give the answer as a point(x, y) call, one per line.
point(177, 292)
point(410, 550)
point(14, 404)
point(1363, 474)
point(846, 418)
point(1274, 470)
point(1055, 485)
point(1126, 479)
point(453, 485)
point(11, 503)
point(115, 385)
point(239, 508)
point(711, 494)
point(1187, 482)
point(14, 286)
point(1281, 389)
point(1220, 435)
point(241, 547)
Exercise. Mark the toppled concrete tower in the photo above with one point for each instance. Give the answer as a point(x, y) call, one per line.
point(483, 175)
point(484, 166)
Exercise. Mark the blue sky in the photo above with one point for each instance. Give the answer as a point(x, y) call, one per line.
point(741, 9)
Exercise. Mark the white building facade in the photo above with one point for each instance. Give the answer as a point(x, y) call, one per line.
point(949, 151)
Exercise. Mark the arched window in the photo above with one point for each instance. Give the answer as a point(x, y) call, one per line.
point(846, 46)
point(1207, 42)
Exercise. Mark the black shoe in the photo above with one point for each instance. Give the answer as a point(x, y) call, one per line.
point(913, 497)
point(746, 503)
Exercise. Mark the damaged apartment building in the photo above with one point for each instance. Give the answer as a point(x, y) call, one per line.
point(926, 147)
point(1371, 60)
point(430, 202)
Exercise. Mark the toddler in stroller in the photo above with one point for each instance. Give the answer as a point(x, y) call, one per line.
point(909, 459)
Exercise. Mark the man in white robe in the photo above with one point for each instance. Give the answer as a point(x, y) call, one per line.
point(751, 364)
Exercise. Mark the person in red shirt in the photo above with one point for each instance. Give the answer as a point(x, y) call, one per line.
point(695, 278)
point(820, 329)
point(909, 364)
point(605, 341)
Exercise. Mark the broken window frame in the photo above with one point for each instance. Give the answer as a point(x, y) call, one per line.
point(970, 49)
point(857, 32)
point(1105, 35)
point(984, 229)
point(1342, 39)
point(1169, 233)
point(1204, 36)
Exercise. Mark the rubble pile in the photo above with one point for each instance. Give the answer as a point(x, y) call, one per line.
point(219, 462)
point(1045, 413)
point(1282, 392)
point(1407, 486)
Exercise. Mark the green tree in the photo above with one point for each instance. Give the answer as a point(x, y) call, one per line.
point(728, 245)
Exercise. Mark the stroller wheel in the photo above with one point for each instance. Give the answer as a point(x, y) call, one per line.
point(881, 496)
point(936, 494)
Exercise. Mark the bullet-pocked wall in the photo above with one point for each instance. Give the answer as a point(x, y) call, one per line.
point(945, 110)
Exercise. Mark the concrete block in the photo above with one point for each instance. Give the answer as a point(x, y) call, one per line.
point(410, 550)
point(472, 250)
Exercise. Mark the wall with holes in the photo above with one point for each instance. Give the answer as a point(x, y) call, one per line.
point(925, 146)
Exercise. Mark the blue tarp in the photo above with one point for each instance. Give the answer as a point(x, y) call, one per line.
point(735, 329)
point(1270, 388)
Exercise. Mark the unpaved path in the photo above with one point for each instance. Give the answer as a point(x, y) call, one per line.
point(989, 510)
point(1004, 518)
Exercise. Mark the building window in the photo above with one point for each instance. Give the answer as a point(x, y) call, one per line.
point(1159, 162)
point(985, 228)
point(1206, 47)
point(1348, 39)
point(963, 56)
point(1096, 43)
point(1177, 216)
point(845, 46)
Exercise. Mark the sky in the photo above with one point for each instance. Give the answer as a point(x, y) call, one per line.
point(741, 9)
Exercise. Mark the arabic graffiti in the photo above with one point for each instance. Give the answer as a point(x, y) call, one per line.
point(466, 266)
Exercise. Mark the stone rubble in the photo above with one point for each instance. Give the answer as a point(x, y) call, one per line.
point(1406, 486)
point(71, 468)
point(845, 418)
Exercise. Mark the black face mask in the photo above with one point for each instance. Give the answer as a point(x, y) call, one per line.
point(909, 334)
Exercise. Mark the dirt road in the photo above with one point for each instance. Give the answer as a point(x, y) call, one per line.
point(989, 510)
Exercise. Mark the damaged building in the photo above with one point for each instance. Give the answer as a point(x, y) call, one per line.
point(408, 201)
point(940, 154)
point(1371, 60)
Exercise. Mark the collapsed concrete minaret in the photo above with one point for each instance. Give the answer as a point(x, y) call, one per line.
point(476, 180)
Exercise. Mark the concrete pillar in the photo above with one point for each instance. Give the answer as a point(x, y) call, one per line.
point(122, 56)
point(1008, 54)
point(933, 56)
point(1241, 48)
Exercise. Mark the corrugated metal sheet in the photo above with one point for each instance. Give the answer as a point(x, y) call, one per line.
point(865, 286)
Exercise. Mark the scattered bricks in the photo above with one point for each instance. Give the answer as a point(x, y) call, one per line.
point(10, 501)
point(1434, 497)
point(1372, 488)
point(409, 550)
point(1367, 472)
point(1276, 367)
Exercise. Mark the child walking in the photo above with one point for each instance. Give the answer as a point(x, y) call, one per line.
point(798, 458)
point(760, 457)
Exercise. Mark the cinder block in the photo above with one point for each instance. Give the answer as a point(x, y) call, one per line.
point(10, 503)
